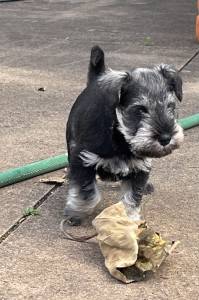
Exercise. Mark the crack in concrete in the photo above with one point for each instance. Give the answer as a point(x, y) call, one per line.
point(23, 218)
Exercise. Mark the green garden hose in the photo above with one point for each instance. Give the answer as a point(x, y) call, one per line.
point(33, 169)
point(54, 163)
point(189, 122)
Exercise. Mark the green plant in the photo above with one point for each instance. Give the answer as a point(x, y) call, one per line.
point(31, 211)
point(148, 41)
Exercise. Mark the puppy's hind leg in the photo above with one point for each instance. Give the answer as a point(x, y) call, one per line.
point(83, 195)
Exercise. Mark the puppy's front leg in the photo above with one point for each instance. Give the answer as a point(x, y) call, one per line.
point(133, 188)
point(83, 194)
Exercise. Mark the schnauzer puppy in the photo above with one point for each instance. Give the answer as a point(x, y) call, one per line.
point(117, 124)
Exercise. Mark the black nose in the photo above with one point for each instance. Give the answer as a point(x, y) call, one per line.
point(164, 139)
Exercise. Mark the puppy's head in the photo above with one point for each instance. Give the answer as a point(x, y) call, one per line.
point(146, 108)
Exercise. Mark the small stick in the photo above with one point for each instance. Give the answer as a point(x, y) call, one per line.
point(71, 237)
point(188, 61)
point(173, 246)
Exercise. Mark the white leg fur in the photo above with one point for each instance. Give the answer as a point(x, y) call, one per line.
point(132, 210)
point(76, 204)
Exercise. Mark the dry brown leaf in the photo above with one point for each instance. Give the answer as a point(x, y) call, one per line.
point(130, 248)
point(53, 180)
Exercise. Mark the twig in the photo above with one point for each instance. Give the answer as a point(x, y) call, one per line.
point(71, 237)
point(188, 61)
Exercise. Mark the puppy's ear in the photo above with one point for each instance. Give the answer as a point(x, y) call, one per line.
point(113, 81)
point(96, 64)
point(173, 78)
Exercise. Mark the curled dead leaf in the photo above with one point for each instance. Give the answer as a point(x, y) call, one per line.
point(53, 180)
point(130, 248)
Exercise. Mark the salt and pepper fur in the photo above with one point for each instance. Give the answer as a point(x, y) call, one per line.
point(118, 123)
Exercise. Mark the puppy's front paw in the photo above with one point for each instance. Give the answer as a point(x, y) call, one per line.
point(149, 188)
point(133, 213)
point(74, 218)
point(74, 221)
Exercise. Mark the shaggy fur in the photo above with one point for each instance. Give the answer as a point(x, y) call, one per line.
point(118, 123)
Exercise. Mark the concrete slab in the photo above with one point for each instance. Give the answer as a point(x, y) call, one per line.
point(37, 263)
point(46, 43)
point(16, 198)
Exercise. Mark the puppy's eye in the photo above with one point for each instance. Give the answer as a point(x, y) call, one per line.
point(142, 109)
point(171, 106)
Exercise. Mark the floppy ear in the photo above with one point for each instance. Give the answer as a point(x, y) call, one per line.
point(113, 81)
point(173, 78)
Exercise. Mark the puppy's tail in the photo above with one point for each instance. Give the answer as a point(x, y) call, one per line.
point(96, 64)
